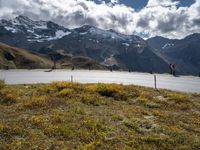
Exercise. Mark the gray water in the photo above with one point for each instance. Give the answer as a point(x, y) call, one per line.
point(182, 83)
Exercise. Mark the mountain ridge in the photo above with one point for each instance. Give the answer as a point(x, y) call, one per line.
point(185, 53)
point(106, 47)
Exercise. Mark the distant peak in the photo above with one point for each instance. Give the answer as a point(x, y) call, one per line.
point(111, 30)
point(21, 17)
point(194, 35)
point(86, 27)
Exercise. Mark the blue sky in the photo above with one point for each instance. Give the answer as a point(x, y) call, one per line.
point(138, 4)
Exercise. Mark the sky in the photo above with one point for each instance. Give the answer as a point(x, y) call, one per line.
point(146, 18)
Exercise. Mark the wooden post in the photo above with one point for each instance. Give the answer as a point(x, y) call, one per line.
point(155, 82)
point(72, 79)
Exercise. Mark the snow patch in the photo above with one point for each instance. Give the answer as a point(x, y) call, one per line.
point(126, 44)
point(83, 33)
point(59, 35)
point(13, 30)
point(40, 27)
point(168, 45)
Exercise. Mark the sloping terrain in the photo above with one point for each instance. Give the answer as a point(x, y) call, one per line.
point(86, 42)
point(79, 62)
point(184, 53)
point(97, 117)
point(15, 58)
point(144, 61)
point(11, 57)
point(106, 47)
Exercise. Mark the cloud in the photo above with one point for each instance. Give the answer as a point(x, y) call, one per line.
point(159, 17)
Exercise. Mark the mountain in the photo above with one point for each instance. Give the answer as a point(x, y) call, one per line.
point(33, 31)
point(15, 58)
point(185, 53)
point(11, 57)
point(106, 47)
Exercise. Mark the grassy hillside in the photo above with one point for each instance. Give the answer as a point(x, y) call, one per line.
point(63, 115)
point(79, 62)
point(18, 58)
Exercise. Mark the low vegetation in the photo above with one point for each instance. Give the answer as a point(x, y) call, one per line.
point(63, 115)
point(15, 58)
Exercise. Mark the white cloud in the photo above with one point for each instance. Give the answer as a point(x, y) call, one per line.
point(165, 3)
point(159, 17)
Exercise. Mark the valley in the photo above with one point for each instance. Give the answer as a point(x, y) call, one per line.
point(90, 47)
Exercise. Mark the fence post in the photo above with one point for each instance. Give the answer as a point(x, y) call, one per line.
point(155, 81)
point(71, 78)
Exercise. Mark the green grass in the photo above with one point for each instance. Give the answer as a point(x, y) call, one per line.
point(62, 115)
point(16, 58)
point(19, 58)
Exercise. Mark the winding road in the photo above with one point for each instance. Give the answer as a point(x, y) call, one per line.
point(164, 81)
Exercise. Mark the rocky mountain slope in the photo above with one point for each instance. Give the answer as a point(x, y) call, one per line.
point(106, 47)
point(185, 53)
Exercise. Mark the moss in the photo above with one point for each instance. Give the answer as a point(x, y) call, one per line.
point(196, 120)
point(60, 131)
point(161, 142)
point(2, 84)
point(65, 85)
point(142, 99)
point(63, 115)
point(89, 146)
point(178, 98)
point(37, 102)
point(66, 92)
point(97, 127)
point(112, 90)
point(38, 121)
point(91, 99)
point(8, 97)
point(56, 118)
point(7, 131)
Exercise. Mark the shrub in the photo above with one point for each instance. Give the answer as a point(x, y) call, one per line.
point(66, 92)
point(197, 120)
point(38, 121)
point(178, 98)
point(37, 102)
point(142, 99)
point(109, 90)
point(59, 130)
point(91, 99)
point(10, 131)
point(157, 140)
point(132, 125)
point(97, 128)
point(7, 97)
point(90, 146)
point(57, 118)
point(64, 85)
point(2, 84)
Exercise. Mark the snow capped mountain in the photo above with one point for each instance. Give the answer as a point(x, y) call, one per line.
point(106, 47)
point(111, 35)
point(45, 31)
point(125, 51)
point(35, 31)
